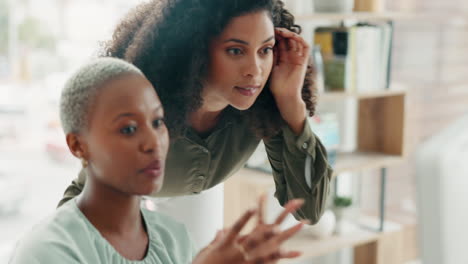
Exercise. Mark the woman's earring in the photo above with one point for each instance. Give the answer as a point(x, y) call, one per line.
point(84, 163)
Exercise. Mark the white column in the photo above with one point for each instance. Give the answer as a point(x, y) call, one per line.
point(202, 214)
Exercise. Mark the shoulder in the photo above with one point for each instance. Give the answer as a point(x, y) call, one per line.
point(56, 239)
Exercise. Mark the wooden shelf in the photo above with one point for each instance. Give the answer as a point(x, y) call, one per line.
point(357, 161)
point(334, 96)
point(395, 89)
point(354, 16)
point(456, 18)
point(345, 162)
point(314, 247)
point(381, 125)
point(311, 247)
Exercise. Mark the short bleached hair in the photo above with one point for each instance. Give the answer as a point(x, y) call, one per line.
point(81, 90)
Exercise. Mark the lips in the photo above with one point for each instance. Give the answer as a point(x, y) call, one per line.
point(154, 169)
point(249, 86)
point(247, 90)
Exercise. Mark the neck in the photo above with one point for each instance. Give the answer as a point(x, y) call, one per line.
point(109, 210)
point(204, 120)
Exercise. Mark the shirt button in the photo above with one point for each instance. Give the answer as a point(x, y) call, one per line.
point(305, 145)
point(200, 177)
point(202, 149)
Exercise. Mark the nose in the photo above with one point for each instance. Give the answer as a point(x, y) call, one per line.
point(253, 67)
point(154, 140)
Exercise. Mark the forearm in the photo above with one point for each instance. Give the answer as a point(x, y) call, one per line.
point(293, 111)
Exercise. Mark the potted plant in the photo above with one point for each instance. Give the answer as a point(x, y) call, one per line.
point(341, 205)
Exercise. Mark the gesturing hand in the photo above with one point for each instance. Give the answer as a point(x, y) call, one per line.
point(224, 248)
point(261, 245)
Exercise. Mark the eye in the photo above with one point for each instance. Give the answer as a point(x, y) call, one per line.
point(158, 123)
point(267, 50)
point(234, 51)
point(128, 130)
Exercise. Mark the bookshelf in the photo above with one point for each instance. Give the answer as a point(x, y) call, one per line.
point(361, 16)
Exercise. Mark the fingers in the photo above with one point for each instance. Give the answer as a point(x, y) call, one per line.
point(282, 48)
point(295, 42)
point(263, 244)
point(220, 235)
point(274, 257)
point(243, 252)
point(290, 207)
point(261, 209)
point(282, 255)
point(300, 50)
point(280, 51)
point(266, 248)
point(241, 238)
point(240, 223)
point(288, 233)
point(292, 43)
point(266, 239)
point(291, 254)
point(260, 235)
point(285, 33)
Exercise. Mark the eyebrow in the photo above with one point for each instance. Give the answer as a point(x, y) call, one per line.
point(132, 114)
point(245, 42)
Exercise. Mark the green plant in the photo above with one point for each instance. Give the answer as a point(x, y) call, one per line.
point(4, 18)
point(31, 32)
point(342, 201)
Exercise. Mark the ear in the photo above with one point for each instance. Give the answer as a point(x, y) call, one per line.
point(77, 146)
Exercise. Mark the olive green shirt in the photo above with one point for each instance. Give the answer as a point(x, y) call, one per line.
point(299, 164)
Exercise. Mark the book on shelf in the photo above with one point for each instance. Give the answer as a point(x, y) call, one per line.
point(333, 44)
point(356, 58)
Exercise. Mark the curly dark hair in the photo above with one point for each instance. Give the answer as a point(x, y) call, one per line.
point(169, 39)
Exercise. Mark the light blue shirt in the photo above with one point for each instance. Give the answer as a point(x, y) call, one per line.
point(68, 237)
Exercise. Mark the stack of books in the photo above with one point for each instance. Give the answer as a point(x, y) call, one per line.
point(356, 58)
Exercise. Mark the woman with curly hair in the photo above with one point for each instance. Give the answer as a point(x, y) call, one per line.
point(229, 74)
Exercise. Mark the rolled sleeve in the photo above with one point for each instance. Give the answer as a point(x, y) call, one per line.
point(288, 155)
point(302, 144)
